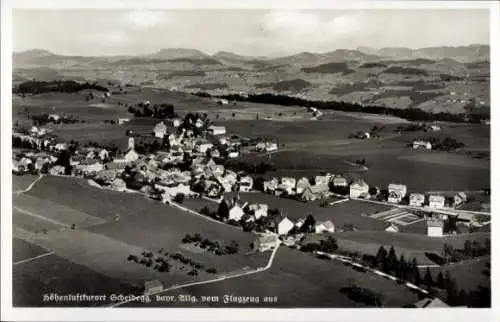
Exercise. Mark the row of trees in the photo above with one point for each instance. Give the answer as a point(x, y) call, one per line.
point(160, 111)
point(412, 114)
point(471, 250)
point(212, 246)
point(38, 87)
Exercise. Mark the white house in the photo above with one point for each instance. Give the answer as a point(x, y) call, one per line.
point(302, 184)
point(199, 123)
point(435, 228)
point(56, 170)
point(396, 192)
point(160, 130)
point(103, 154)
point(236, 211)
point(325, 226)
point(270, 146)
point(284, 226)
point(259, 210)
point(288, 184)
point(246, 184)
point(436, 201)
point(233, 154)
point(339, 181)
point(204, 147)
point(271, 185)
point(131, 156)
point(123, 120)
point(417, 199)
point(435, 128)
point(358, 188)
point(61, 146)
point(322, 180)
point(217, 130)
point(422, 145)
point(54, 117)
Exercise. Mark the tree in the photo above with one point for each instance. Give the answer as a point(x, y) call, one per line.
point(428, 278)
point(381, 257)
point(467, 248)
point(416, 272)
point(372, 191)
point(223, 210)
point(308, 225)
point(179, 198)
point(440, 280)
point(391, 261)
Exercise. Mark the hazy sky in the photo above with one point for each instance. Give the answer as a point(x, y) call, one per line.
point(247, 32)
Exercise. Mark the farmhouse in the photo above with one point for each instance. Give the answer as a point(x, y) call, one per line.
point(259, 210)
point(322, 180)
point(270, 146)
point(271, 185)
point(246, 184)
point(434, 228)
point(287, 184)
point(339, 181)
point(312, 193)
point(56, 170)
point(266, 242)
point(236, 211)
point(358, 188)
point(152, 287)
point(40, 162)
point(301, 185)
point(283, 226)
point(233, 154)
point(325, 226)
point(216, 130)
point(459, 198)
point(54, 117)
point(417, 199)
point(435, 128)
point(61, 146)
point(123, 121)
point(392, 228)
point(299, 222)
point(118, 185)
point(422, 145)
point(131, 156)
point(396, 192)
point(103, 154)
point(160, 130)
point(436, 201)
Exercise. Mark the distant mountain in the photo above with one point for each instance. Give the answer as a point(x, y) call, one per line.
point(351, 55)
point(232, 57)
point(176, 53)
point(460, 54)
point(303, 59)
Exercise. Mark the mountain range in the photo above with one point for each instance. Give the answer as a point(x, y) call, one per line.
point(461, 54)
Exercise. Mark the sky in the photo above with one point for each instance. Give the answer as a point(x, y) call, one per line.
point(95, 32)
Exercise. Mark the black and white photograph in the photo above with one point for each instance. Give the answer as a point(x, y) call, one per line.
point(248, 158)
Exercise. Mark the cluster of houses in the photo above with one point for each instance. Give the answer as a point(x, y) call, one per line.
point(302, 188)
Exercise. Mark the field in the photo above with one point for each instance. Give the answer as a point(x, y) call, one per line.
point(340, 214)
point(300, 280)
point(102, 245)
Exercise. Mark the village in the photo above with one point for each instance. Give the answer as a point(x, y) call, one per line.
point(189, 165)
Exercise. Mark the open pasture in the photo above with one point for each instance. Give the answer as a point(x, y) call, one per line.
point(22, 250)
point(55, 274)
point(299, 280)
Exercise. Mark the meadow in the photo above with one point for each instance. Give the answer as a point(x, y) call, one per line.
point(300, 280)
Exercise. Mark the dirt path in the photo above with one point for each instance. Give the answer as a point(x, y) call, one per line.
point(30, 186)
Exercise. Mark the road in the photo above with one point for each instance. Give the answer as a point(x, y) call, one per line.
point(218, 279)
point(31, 185)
